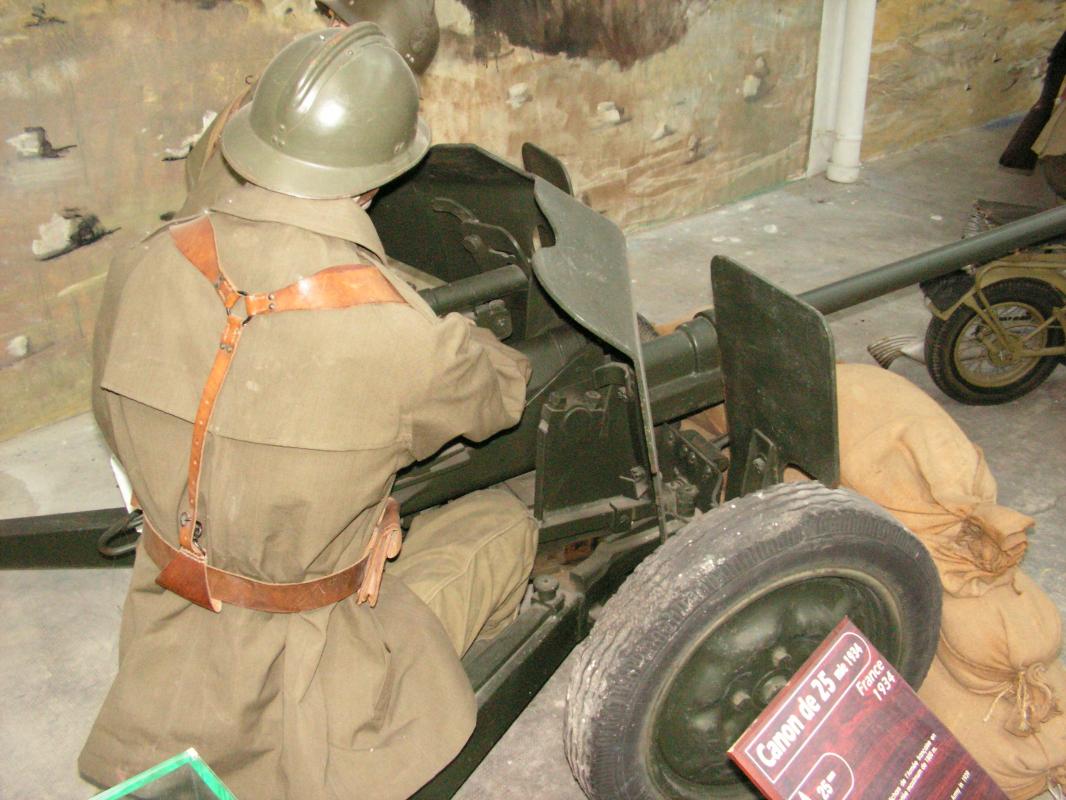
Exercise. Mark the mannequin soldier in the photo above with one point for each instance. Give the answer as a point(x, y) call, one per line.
point(258, 625)
point(411, 26)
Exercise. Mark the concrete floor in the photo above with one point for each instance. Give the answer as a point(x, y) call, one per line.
point(58, 646)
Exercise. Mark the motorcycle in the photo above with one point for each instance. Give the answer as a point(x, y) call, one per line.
point(996, 331)
point(997, 328)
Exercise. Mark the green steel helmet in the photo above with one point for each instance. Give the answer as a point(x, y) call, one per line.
point(411, 25)
point(335, 114)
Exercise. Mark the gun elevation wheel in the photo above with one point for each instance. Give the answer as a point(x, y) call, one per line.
point(713, 623)
point(968, 361)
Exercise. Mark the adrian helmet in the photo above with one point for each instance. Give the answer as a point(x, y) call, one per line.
point(411, 25)
point(335, 114)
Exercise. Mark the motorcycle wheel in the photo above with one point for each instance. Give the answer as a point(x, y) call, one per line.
point(960, 352)
point(713, 623)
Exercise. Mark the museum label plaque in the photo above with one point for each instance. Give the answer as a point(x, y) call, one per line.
point(848, 726)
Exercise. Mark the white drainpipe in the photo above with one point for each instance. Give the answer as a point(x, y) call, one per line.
point(851, 98)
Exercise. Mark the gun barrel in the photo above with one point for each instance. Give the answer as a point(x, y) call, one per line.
point(986, 246)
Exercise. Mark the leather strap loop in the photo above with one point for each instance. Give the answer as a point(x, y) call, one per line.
point(384, 544)
point(185, 571)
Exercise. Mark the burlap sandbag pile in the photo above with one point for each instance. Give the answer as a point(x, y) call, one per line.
point(903, 451)
point(1003, 646)
point(996, 681)
point(1023, 766)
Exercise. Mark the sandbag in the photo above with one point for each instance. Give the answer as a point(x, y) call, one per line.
point(1023, 766)
point(1000, 646)
point(902, 450)
point(709, 423)
point(666, 328)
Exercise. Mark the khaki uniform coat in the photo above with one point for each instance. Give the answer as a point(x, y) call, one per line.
point(207, 175)
point(319, 411)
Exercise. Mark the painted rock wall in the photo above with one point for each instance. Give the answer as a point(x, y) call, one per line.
point(944, 65)
point(123, 82)
point(659, 108)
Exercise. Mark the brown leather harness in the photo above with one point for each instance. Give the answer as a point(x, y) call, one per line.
point(184, 569)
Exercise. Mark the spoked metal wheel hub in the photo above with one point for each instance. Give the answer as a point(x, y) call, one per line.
point(984, 360)
point(731, 674)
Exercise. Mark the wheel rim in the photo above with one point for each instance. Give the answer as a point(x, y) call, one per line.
point(734, 669)
point(982, 361)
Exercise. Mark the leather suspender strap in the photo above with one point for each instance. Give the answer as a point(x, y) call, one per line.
point(334, 287)
point(186, 571)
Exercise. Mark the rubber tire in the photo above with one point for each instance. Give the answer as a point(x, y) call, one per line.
point(1054, 170)
point(717, 563)
point(941, 337)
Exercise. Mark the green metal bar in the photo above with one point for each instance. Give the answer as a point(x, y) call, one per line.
point(469, 292)
point(986, 246)
point(58, 540)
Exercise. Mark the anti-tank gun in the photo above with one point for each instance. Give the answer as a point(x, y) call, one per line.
point(740, 576)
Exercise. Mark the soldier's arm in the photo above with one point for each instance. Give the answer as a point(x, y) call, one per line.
point(473, 386)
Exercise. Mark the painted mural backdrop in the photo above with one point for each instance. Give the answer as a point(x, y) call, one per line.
point(113, 89)
point(659, 108)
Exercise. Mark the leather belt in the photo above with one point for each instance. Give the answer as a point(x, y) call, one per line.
point(363, 577)
point(185, 570)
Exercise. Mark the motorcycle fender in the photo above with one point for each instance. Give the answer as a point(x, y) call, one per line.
point(995, 273)
point(990, 275)
point(946, 293)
